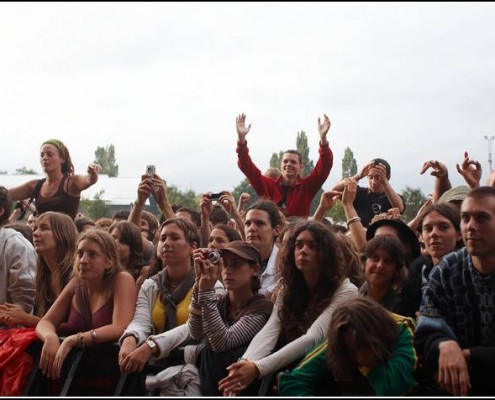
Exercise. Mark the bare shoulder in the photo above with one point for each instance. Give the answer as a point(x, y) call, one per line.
point(124, 279)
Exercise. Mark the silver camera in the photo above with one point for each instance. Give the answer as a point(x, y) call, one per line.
point(214, 256)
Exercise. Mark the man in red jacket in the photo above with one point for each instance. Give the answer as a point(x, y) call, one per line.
point(290, 192)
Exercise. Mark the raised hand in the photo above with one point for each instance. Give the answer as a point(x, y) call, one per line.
point(349, 193)
point(323, 127)
point(439, 169)
point(242, 131)
point(227, 201)
point(329, 199)
point(94, 168)
point(365, 171)
point(205, 205)
point(470, 171)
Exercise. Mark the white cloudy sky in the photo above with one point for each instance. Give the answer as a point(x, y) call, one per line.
point(164, 82)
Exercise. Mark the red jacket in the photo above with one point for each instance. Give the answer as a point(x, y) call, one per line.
point(300, 195)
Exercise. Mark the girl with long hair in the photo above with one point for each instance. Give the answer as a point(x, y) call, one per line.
point(313, 284)
point(54, 239)
point(94, 307)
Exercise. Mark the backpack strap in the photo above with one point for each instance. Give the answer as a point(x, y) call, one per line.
point(35, 192)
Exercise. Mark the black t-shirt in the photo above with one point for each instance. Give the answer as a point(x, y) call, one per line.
point(368, 204)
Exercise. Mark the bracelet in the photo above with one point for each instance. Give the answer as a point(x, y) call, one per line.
point(129, 334)
point(93, 336)
point(353, 219)
point(80, 340)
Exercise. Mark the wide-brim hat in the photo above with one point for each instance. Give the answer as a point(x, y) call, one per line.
point(405, 233)
point(458, 193)
point(244, 250)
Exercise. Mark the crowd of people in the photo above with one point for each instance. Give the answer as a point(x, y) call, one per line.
point(250, 299)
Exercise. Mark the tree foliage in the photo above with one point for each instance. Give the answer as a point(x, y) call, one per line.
point(186, 199)
point(337, 214)
point(245, 187)
point(105, 156)
point(413, 199)
point(276, 159)
point(303, 148)
point(96, 208)
point(25, 171)
point(349, 164)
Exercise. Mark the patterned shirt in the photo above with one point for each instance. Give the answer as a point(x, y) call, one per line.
point(463, 298)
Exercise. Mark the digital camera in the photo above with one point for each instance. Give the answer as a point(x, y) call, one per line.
point(213, 256)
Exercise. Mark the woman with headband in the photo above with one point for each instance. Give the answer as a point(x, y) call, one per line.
point(61, 189)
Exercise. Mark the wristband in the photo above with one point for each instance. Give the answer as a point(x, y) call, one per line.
point(353, 219)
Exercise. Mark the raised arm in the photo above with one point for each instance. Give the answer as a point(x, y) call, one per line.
point(205, 207)
point(242, 130)
point(160, 193)
point(82, 182)
point(360, 175)
point(241, 204)
point(470, 171)
point(354, 224)
point(228, 201)
point(323, 128)
point(327, 202)
point(392, 195)
point(143, 192)
point(441, 174)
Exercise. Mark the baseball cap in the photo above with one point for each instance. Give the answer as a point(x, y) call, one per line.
point(244, 250)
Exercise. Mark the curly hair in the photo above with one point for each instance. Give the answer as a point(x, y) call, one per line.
point(301, 306)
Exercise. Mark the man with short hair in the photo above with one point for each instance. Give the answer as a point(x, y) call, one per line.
point(290, 192)
point(262, 225)
point(379, 196)
point(17, 262)
point(456, 328)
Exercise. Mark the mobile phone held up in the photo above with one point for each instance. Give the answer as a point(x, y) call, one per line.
point(215, 196)
point(150, 170)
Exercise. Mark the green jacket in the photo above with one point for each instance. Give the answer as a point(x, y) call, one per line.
point(391, 378)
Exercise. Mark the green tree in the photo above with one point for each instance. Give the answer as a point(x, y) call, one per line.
point(25, 171)
point(3, 172)
point(186, 199)
point(96, 208)
point(349, 168)
point(276, 159)
point(349, 164)
point(303, 148)
point(105, 156)
point(413, 199)
point(245, 187)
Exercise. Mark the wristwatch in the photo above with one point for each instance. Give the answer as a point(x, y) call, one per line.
point(152, 345)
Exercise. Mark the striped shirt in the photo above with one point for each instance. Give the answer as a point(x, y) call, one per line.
point(224, 332)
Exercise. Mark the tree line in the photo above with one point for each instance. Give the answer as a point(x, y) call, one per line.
point(105, 156)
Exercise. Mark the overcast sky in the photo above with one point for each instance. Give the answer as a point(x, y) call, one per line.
point(163, 82)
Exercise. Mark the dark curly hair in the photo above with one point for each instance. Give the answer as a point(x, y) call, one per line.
point(300, 306)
